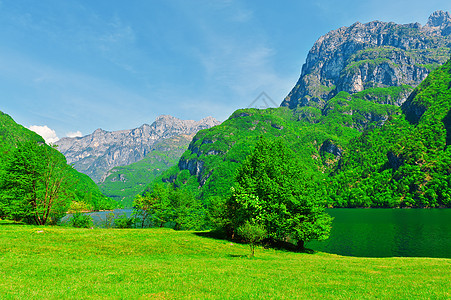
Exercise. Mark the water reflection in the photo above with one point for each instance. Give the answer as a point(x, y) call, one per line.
point(389, 232)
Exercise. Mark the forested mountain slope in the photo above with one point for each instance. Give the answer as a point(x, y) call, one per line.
point(208, 167)
point(407, 161)
point(12, 133)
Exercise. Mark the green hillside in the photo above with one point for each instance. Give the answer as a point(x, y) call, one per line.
point(365, 153)
point(318, 137)
point(123, 183)
point(13, 133)
point(16, 140)
point(406, 162)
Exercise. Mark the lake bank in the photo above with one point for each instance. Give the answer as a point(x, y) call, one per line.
point(364, 232)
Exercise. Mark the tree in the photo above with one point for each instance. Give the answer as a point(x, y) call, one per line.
point(273, 190)
point(34, 184)
point(167, 205)
point(252, 233)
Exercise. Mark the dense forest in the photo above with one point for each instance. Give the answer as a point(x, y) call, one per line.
point(407, 161)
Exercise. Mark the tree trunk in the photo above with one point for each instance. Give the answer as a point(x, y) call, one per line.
point(300, 246)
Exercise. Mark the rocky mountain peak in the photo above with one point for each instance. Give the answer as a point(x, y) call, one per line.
point(374, 54)
point(99, 131)
point(165, 119)
point(439, 18)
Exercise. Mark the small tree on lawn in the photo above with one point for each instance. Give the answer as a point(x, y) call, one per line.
point(274, 190)
point(252, 233)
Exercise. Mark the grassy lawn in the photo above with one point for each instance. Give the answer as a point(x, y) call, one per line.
point(56, 262)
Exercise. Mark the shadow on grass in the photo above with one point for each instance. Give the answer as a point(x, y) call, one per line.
point(267, 243)
point(6, 222)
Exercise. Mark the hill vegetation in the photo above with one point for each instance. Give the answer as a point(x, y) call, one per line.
point(407, 161)
point(319, 138)
point(36, 184)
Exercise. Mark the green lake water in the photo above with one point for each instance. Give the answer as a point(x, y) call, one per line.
point(388, 233)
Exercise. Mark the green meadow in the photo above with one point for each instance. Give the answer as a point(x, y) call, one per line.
point(41, 262)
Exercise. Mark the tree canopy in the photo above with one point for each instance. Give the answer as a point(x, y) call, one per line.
point(34, 184)
point(274, 190)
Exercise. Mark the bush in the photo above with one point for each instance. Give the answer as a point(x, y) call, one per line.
point(123, 221)
point(78, 206)
point(80, 220)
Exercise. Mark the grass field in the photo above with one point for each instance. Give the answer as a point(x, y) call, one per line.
point(56, 263)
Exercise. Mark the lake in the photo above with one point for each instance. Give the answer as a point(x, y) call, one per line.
point(388, 233)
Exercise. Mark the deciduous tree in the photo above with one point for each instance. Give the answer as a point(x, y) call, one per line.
point(273, 190)
point(34, 184)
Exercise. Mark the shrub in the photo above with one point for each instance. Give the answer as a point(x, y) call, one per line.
point(123, 221)
point(81, 220)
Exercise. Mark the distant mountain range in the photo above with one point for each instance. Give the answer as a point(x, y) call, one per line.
point(99, 152)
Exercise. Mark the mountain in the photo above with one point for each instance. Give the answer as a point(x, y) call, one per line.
point(97, 153)
point(125, 182)
point(375, 54)
point(354, 81)
point(407, 161)
point(208, 167)
point(83, 190)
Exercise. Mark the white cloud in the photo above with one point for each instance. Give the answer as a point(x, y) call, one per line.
point(47, 133)
point(74, 134)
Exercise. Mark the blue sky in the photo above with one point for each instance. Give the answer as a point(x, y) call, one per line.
point(75, 65)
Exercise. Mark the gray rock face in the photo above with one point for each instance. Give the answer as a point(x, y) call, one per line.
point(375, 54)
point(100, 151)
point(330, 147)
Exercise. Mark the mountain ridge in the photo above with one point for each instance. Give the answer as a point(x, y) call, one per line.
point(96, 153)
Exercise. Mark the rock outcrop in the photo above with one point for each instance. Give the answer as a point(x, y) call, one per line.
point(375, 54)
point(102, 150)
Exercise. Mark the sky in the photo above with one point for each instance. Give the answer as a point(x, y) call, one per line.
point(68, 67)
